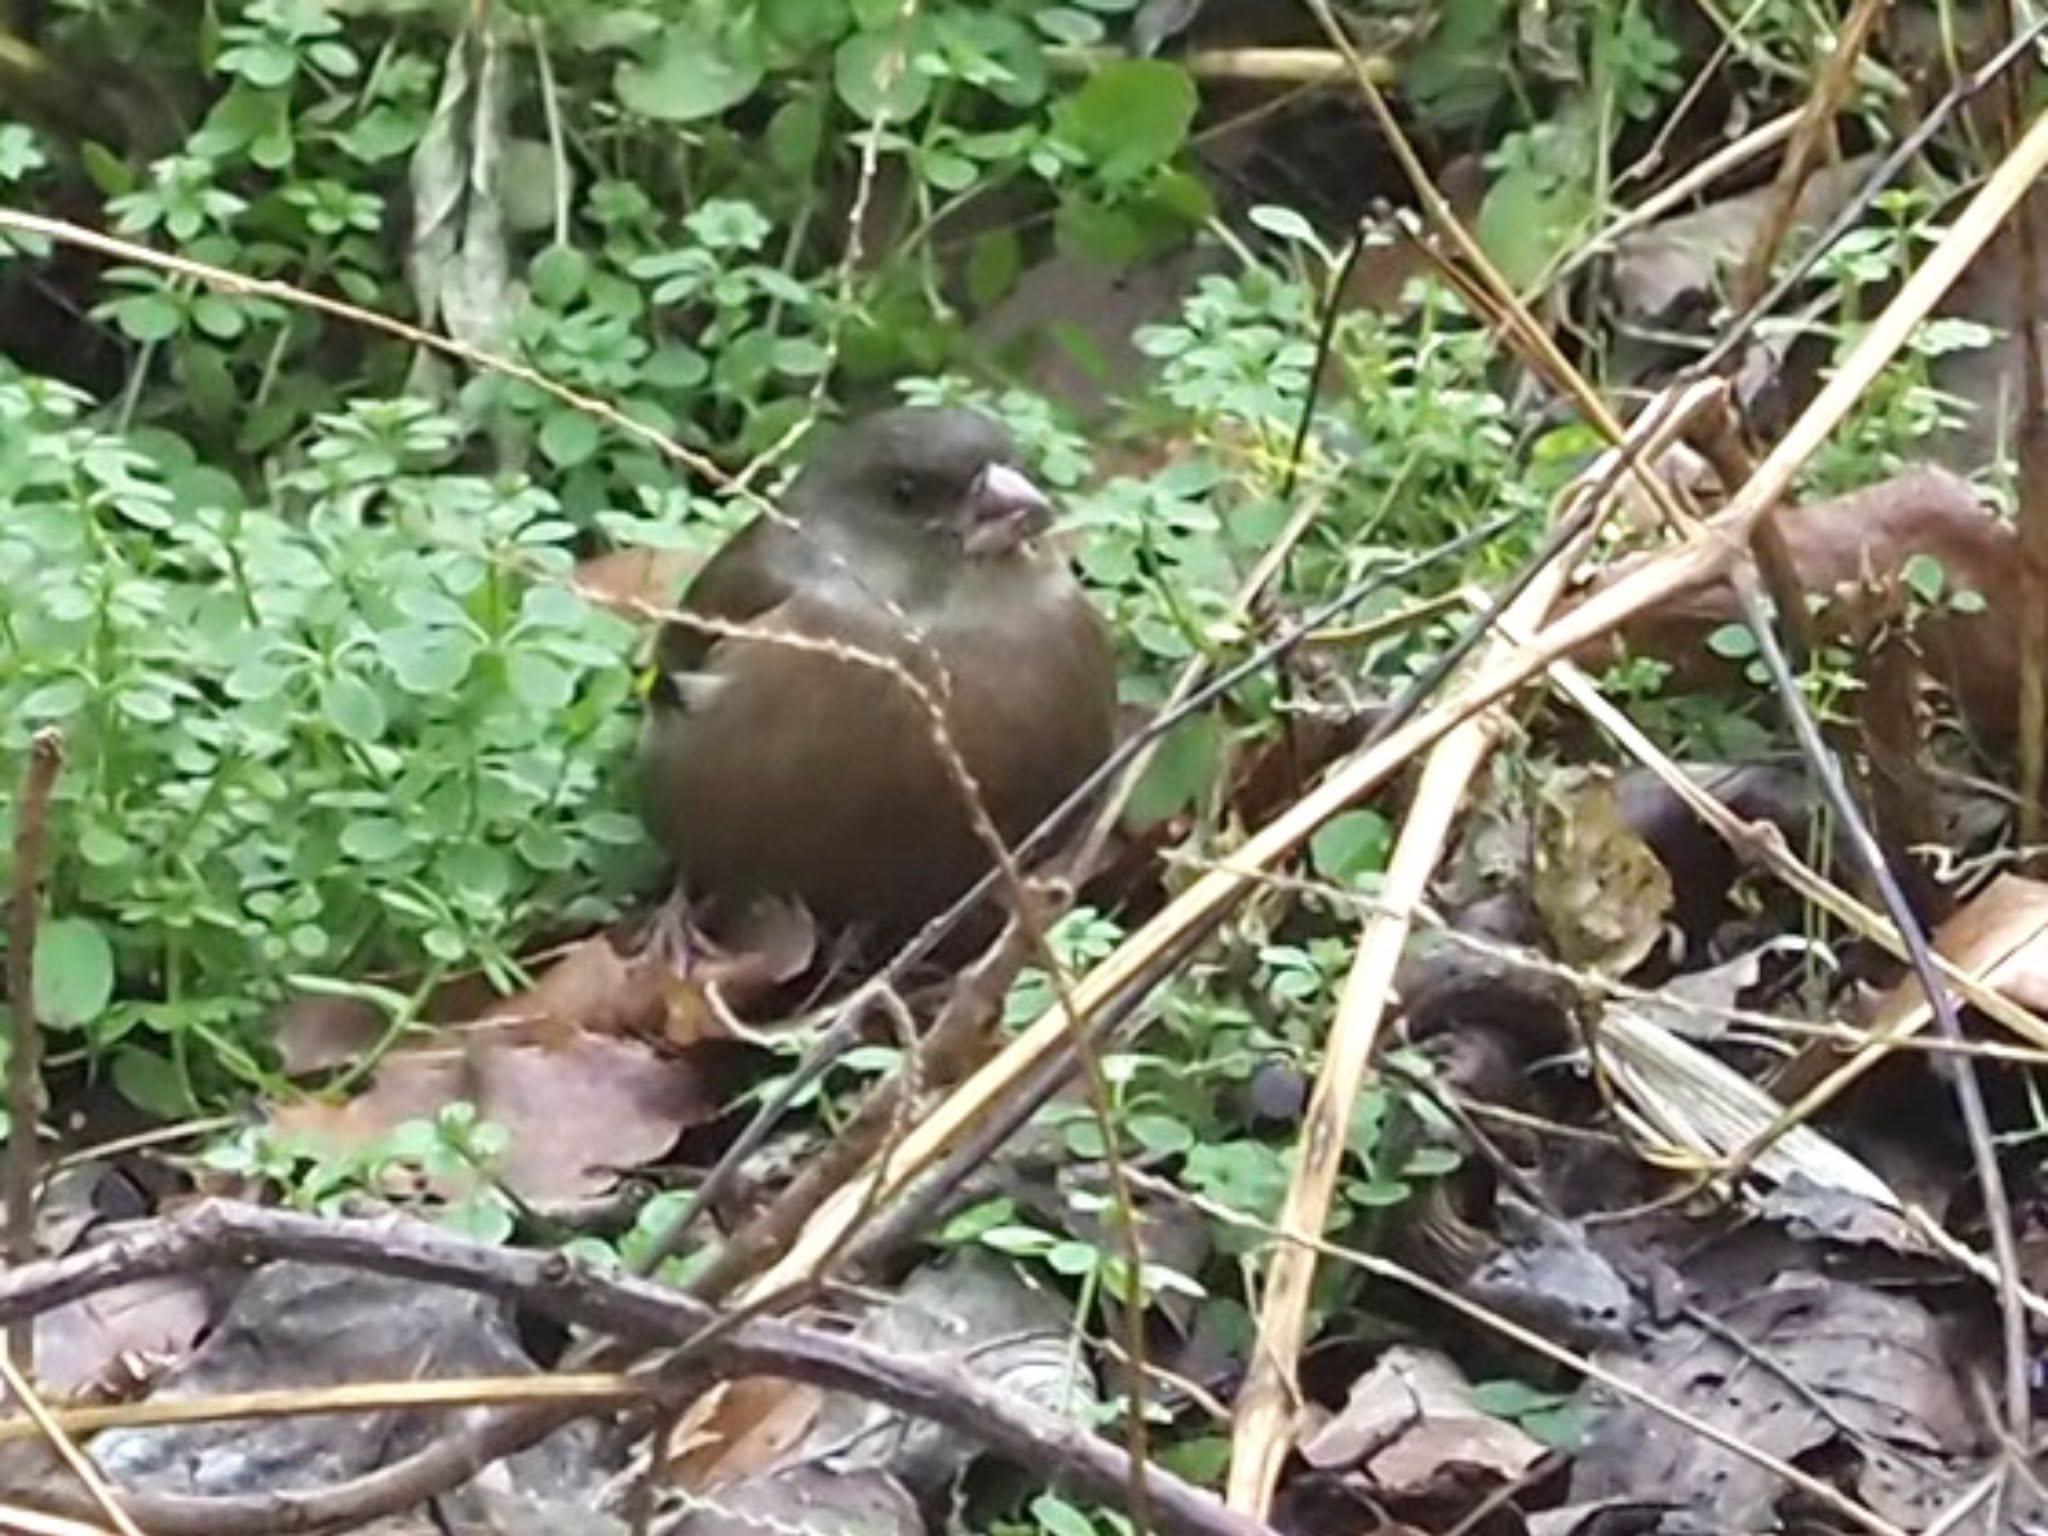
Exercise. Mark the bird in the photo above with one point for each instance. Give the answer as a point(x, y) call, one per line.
point(778, 760)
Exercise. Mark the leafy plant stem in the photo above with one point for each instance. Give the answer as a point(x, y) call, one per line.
point(401, 1021)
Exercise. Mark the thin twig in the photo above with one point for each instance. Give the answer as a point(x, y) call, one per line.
point(1830, 90)
point(597, 1389)
point(1962, 1069)
point(24, 1053)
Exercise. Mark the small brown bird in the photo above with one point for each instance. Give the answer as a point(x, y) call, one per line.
point(771, 770)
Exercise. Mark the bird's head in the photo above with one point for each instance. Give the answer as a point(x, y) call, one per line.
point(925, 474)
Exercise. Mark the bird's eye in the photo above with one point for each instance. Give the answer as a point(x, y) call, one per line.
point(905, 490)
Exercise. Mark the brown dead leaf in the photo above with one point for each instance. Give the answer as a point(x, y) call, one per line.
point(1601, 892)
point(578, 1112)
point(630, 582)
point(1866, 1375)
point(592, 988)
point(314, 1034)
point(105, 1343)
point(1657, 270)
point(740, 1429)
point(1852, 551)
point(1409, 1419)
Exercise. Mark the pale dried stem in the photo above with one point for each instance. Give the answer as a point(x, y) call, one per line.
point(590, 1388)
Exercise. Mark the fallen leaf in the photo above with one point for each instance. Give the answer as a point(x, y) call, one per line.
point(591, 988)
point(1853, 551)
point(105, 1343)
point(315, 1033)
point(631, 582)
point(1601, 892)
point(1412, 1416)
point(1864, 1370)
point(810, 1498)
point(578, 1113)
point(1657, 270)
point(740, 1429)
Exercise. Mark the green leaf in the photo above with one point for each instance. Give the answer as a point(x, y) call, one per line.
point(1350, 846)
point(557, 274)
point(541, 683)
point(1732, 642)
point(795, 134)
point(1181, 768)
point(352, 707)
point(148, 316)
point(150, 1082)
point(1924, 574)
point(375, 839)
point(1019, 1242)
point(1161, 1133)
point(74, 972)
point(103, 847)
point(1247, 1176)
point(568, 437)
point(804, 26)
point(690, 74)
point(1059, 1518)
point(1130, 117)
point(1377, 1194)
point(1072, 1258)
point(993, 262)
point(427, 659)
point(1065, 25)
point(948, 172)
point(1430, 1162)
point(1286, 224)
point(971, 1223)
point(876, 75)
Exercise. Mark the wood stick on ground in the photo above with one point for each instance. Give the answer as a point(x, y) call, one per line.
point(220, 1232)
point(18, 1521)
point(24, 1053)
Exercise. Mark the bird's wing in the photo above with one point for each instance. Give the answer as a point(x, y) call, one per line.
point(756, 572)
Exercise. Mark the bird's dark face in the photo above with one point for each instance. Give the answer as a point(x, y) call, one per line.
point(946, 474)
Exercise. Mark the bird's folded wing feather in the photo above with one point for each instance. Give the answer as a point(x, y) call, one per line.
point(756, 572)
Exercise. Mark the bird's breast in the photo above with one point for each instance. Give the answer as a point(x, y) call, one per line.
point(826, 773)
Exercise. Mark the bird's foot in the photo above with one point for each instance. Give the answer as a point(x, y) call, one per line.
point(673, 938)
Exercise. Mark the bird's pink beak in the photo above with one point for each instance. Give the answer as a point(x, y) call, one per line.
point(1004, 509)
